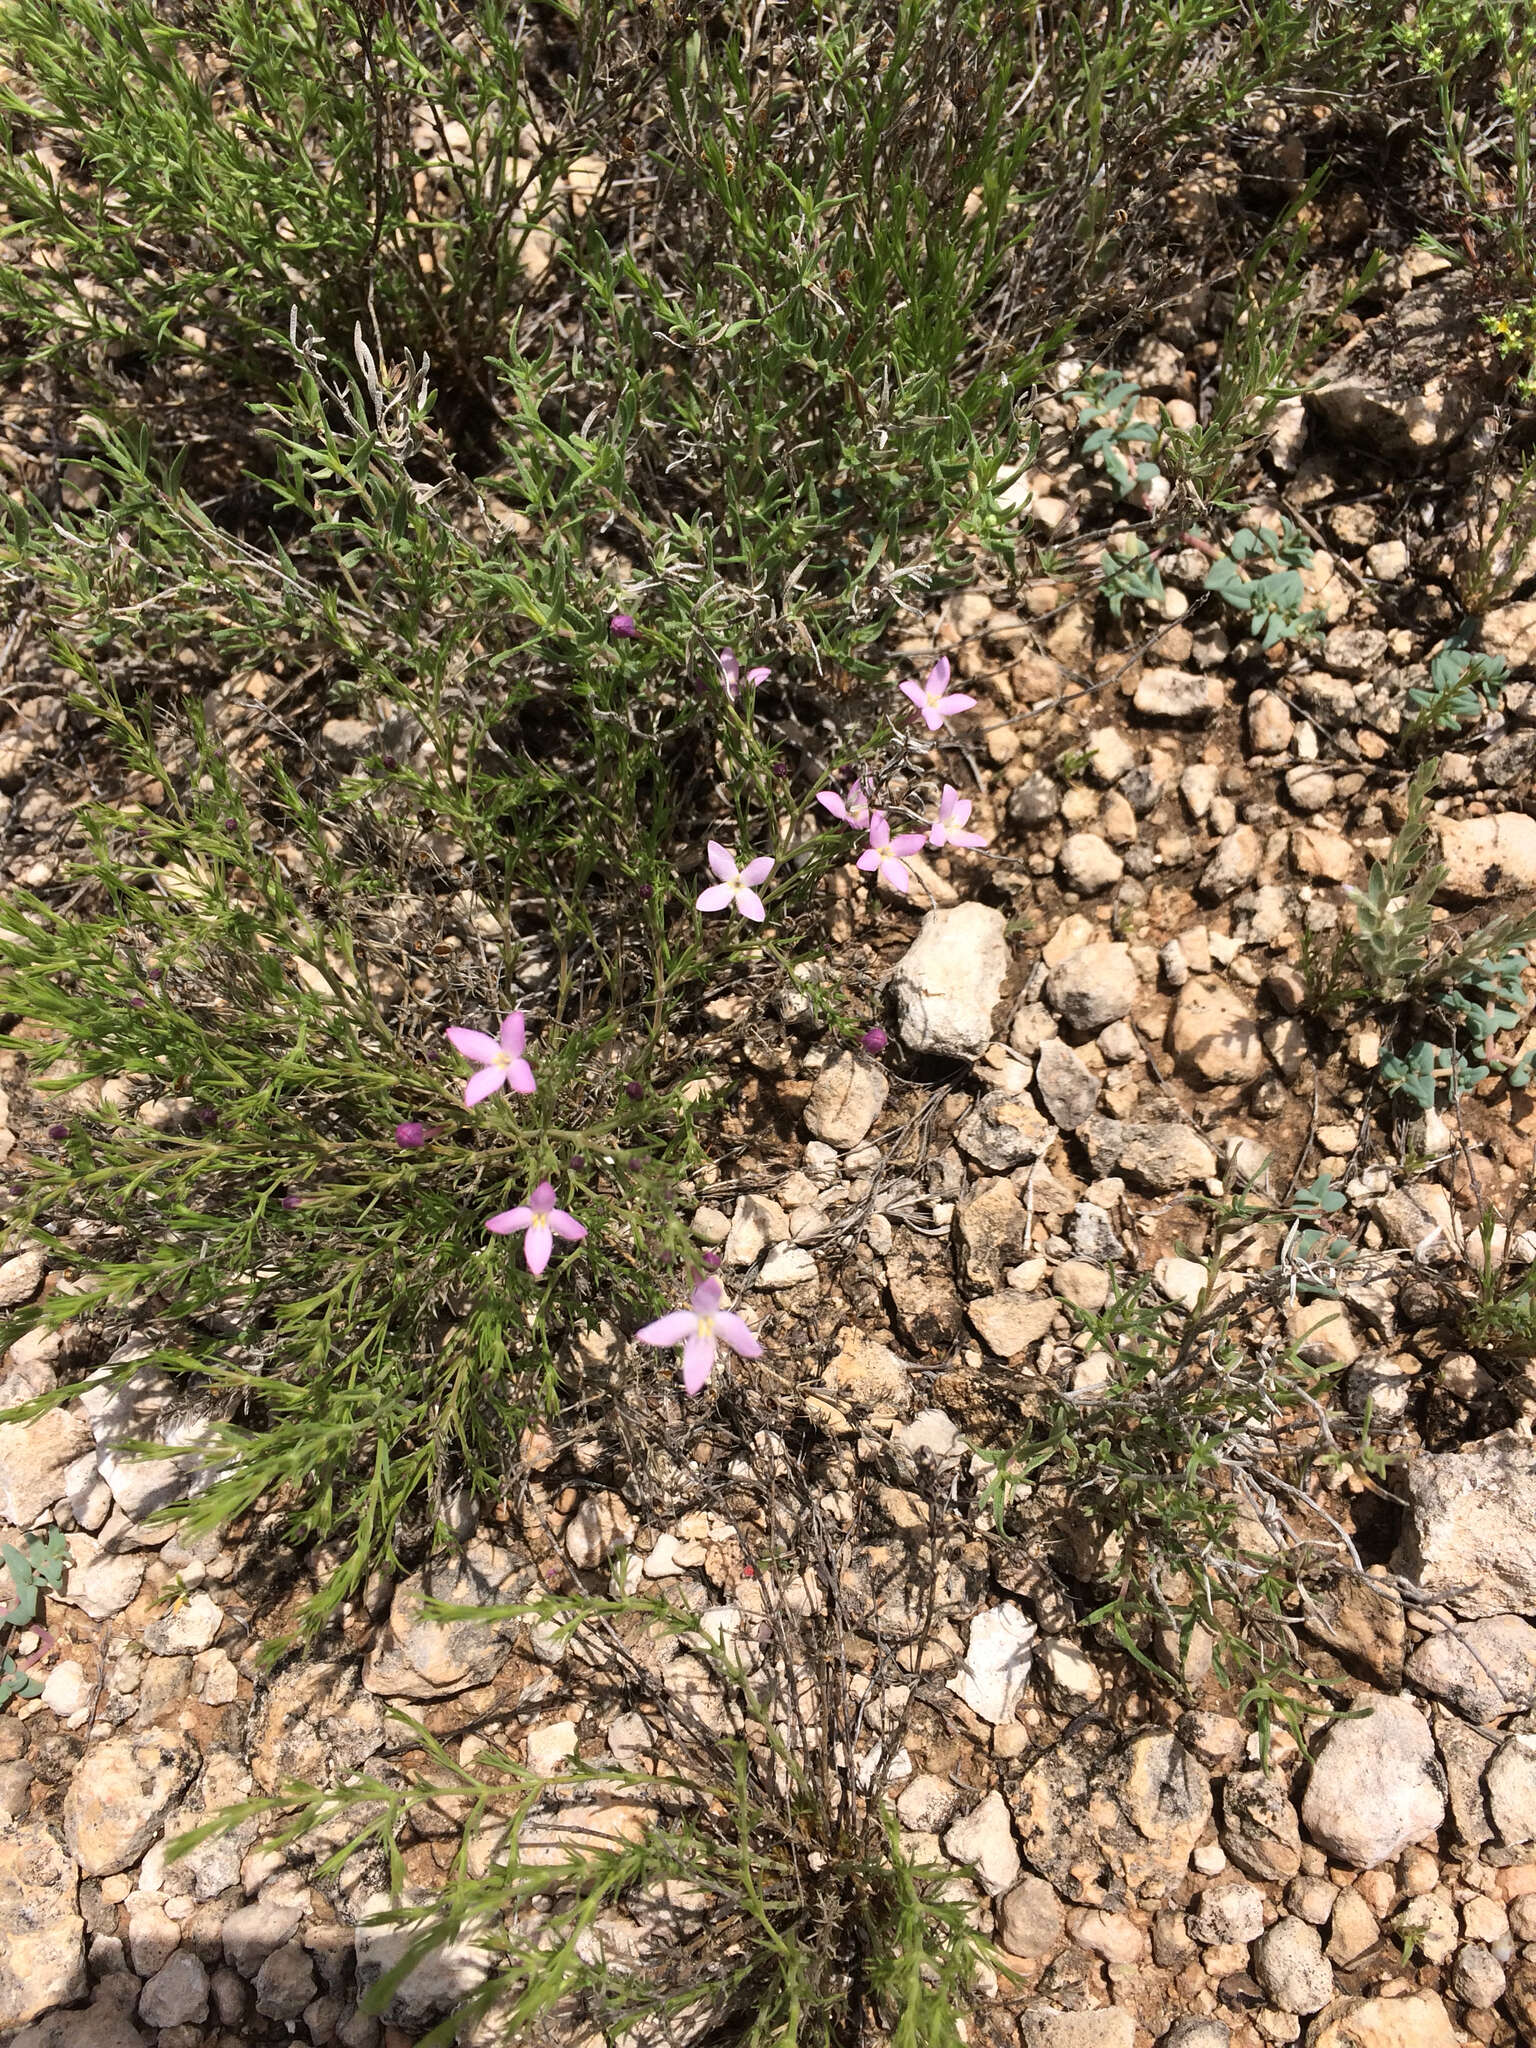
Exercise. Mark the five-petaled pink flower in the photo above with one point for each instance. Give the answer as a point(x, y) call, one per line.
point(947, 830)
point(699, 1329)
point(852, 808)
point(735, 886)
point(930, 697)
point(542, 1222)
point(883, 855)
point(499, 1059)
point(730, 673)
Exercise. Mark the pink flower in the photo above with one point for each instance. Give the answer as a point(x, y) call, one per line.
point(699, 1329)
point(499, 1059)
point(622, 626)
point(853, 808)
point(930, 699)
point(882, 856)
point(730, 673)
point(733, 886)
point(542, 1222)
point(954, 809)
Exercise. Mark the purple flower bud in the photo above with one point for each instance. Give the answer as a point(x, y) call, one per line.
point(155, 973)
point(781, 770)
point(622, 626)
point(578, 1162)
point(645, 892)
point(231, 824)
point(207, 1116)
point(711, 1261)
point(136, 1002)
point(412, 1136)
point(634, 1090)
point(290, 1201)
point(874, 1041)
point(389, 763)
point(58, 1133)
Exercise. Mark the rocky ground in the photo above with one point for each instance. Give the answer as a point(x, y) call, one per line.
point(1092, 1023)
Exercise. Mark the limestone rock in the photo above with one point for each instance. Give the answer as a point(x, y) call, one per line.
point(1089, 864)
point(1003, 1131)
point(1067, 1089)
point(868, 1373)
point(1411, 382)
point(418, 1658)
point(1484, 1669)
point(848, 1096)
point(438, 1982)
point(1509, 631)
point(601, 1525)
point(1179, 696)
point(1092, 987)
point(1135, 1813)
point(1009, 1322)
point(1259, 1830)
point(1488, 857)
point(1376, 1784)
point(1030, 1921)
point(1233, 865)
point(35, 1457)
point(990, 1227)
point(177, 1994)
point(984, 1840)
point(949, 981)
point(313, 1723)
point(42, 1936)
point(1101, 2026)
point(119, 1797)
point(1417, 2021)
point(1288, 1961)
point(1470, 1535)
point(1161, 1158)
point(1215, 1035)
point(995, 1673)
point(758, 1222)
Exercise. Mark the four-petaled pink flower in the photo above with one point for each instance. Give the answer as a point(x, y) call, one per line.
point(699, 1329)
point(542, 1222)
point(954, 809)
point(883, 855)
point(499, 1059)
point(735, 886)
point(730, 673)
point(930, 698)
point(853, 808)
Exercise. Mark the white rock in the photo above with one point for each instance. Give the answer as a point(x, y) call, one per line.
point(787, 1265)
point(185, 1628)
point(984, 1839)
point(1089, 864)
point(599, 1527)
point(757, 1223)
point(1484, 857)
point(1376, 1784)
point(1470, 1537)
point(995, 1673)
point(1093, 986)
point(1289, 1963)
point(949, 981)
point(848, 1096)
point(66, 1690)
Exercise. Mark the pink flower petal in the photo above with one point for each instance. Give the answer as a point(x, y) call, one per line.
point(757, 870)
point(718, 896)
point(732, 1330)
point(895, 876)
point(730, 667)
point(915, 692)
point(750, 904)
point(486, 1082)
point(698, 1362)
point(721, 865)
point(668, 1329)
point(510, 1220)
point(758, 675)
point(537, 1246)
point(905, 842)
point(869, 859)
point(932, 718)
point(948, 707)
point(708, 1295)
point(563, 1224)
point(474, 1045)
point(831, 801)
point(514, 1032)
point(938, 675)
point(520, 1078)
point(542, 1200)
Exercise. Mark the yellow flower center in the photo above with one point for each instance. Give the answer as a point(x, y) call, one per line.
point(706, 1326)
